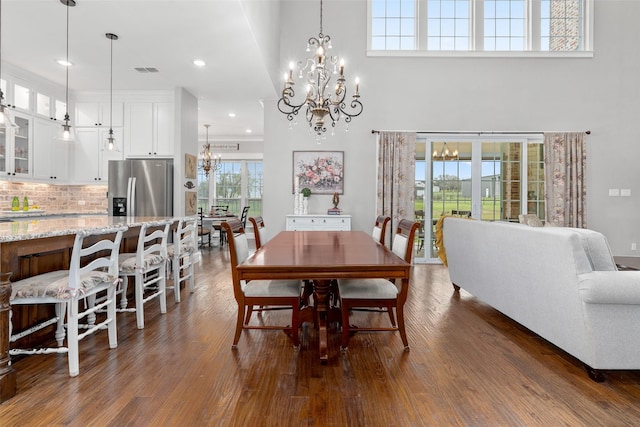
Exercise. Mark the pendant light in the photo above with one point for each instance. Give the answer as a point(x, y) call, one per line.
point(110, 143)
point(6, 118)
point(67, 133)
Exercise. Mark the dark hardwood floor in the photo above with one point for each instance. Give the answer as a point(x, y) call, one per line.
point(468, 366)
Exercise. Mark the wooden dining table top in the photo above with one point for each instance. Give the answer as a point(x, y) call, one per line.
point(323, 255)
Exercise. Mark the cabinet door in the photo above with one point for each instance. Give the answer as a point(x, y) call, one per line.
point(50, 156)
point(3, 149)
point(21, 146)
point(163, 128)
point(90, 160)
point(86, 152)
point(139, 124)
point(99, 114)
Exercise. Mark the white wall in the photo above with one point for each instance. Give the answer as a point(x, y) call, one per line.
point(186, 137)
point(600, 94)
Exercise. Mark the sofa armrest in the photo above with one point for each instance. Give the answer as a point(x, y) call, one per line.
point(610, 287)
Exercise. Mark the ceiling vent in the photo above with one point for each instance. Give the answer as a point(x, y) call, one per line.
point(146, 69)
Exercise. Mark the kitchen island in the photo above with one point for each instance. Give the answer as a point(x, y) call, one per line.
point(30, 246)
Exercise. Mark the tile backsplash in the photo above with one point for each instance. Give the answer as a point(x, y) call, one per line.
point(56, 198)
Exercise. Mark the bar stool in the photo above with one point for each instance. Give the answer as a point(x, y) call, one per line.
point(92, 270)
point(148, 268)
point(181, 255)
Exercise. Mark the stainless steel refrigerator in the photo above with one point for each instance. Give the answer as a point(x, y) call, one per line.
point(141, 187)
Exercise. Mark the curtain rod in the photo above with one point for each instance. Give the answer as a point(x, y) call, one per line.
point(588, 132)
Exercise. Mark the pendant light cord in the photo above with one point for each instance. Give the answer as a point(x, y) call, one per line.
point(66, 118)
point(111, 90)
point(320, 16)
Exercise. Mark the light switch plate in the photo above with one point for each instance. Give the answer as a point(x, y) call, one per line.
point(625, 192)
point(614, 192)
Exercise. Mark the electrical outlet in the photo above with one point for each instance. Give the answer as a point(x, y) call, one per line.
point(633, 246)
point(81, 202)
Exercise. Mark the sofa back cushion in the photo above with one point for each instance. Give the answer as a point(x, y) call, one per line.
point(597, 249)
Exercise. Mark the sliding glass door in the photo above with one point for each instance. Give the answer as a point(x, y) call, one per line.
point(490, 178)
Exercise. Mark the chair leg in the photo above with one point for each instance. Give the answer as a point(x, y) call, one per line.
point(60, 313)
point(239, 323)
point(345, 325)
point(163, 290)
point(72, 337)
point(295, 324)
point(403, 332)
point(139, 300)
point(176, 280)
point(91, 317)
point(248, 316)
point(111, 314)
point(123, 297)
point(192, 279)
point(391, 318)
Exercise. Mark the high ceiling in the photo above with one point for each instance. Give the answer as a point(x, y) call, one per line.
point(164, 34)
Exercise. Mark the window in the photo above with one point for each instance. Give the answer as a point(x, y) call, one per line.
point(491, 178)
point(237, 183)
point(43, 104)
point(495, 27)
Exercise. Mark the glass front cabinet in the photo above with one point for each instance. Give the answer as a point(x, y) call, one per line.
point(15, 145)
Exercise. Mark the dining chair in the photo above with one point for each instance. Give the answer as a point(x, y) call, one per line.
point(203, 232)
point(258, 292)
point(219, 209)
point(259, 230)
point(243, 216)
point(380, 228)
point(376, 293)
point(181, 255)
point(147, 266)
point(93, 270)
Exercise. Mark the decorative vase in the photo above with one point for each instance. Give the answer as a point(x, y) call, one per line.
point(305, 205)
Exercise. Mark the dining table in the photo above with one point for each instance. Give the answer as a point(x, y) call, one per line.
point(214, 221)
point(322, 257)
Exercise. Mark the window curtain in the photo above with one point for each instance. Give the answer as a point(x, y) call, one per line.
point(396, 177)
point(565, 160)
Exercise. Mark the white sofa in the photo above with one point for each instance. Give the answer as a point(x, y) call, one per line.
point(560, 283)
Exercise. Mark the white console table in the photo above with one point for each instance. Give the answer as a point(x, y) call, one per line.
point(318, 222)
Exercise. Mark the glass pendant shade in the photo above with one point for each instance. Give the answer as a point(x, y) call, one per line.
point(6, 117)
point(66, 132)
point(110, 143)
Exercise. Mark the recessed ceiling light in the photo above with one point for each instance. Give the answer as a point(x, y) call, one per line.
point(248, 131)
point(64, 63)
point(199, 62)
point(232, 114)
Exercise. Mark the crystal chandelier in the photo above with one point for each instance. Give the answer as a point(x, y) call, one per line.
point(210, 161)
point(323, 103)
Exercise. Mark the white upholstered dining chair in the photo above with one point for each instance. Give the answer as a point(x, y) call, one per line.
point(258, 292)
point(93, 270)
point(377, 293)
point(379, 232)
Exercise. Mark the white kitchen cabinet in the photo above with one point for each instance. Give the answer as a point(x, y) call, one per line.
point(90, 159)
point(50, 156)
point(97, 114)
point(318, 222)
point(150, 128)
point(15, 148)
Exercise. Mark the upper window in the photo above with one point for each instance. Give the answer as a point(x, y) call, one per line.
point(509, 27)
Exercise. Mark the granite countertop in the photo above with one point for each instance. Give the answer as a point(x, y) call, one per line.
point(38, 228)
point(34, 213)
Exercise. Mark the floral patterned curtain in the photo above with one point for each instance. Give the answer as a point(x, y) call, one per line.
point(396, 177)
point(565, 161)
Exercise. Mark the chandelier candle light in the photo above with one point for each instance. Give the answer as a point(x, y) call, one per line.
point(210, 161)
point(322, 105)
point(445, 153)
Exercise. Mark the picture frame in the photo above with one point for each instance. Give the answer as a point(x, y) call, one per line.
point(320, 171)
point(190, 166)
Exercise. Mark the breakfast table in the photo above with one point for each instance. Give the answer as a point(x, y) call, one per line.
point(323, 256)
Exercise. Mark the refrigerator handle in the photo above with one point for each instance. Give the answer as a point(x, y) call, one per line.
point(131, 196)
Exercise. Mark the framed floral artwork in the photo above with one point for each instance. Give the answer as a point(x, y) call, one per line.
point(190, 166)
point(320, 171)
